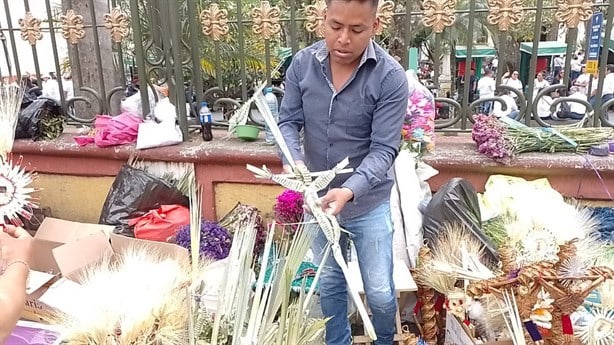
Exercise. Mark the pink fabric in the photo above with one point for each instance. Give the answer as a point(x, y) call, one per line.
point(112, 130)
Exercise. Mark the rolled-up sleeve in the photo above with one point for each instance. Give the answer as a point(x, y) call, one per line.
point(385, 135)
point(291, 116)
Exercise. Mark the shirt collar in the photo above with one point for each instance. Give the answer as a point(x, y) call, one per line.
point(322, 53)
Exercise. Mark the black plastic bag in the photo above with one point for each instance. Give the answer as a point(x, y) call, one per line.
point(41, 119)
point(135, 192)
point(456, 202)
point(29, 96)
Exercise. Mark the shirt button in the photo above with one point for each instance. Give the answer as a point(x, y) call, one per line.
point(331, 144)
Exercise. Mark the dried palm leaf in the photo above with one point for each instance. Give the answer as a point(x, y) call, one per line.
point(10, 104)
point(513, 321)
point(455, 255)
point(140, 297)
point(242, 114)
point(179, 174)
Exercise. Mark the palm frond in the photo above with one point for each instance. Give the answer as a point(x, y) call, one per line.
point(208, 67)
point(242, 114)
point(179, 174)
point(234, 294)
point(153, 307)
point(10, 104)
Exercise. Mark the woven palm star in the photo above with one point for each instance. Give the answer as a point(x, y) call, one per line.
point(570, 269)
point(15, 193)
point(598, 328)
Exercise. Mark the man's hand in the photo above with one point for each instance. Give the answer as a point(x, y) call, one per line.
point(334, 201)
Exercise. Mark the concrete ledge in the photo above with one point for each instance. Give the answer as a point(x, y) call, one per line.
point(222, 161)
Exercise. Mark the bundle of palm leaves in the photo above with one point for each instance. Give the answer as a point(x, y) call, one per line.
point(268, 314)
point(10, 104)
point(136, 297)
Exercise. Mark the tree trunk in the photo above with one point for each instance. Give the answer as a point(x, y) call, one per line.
point(509, 54)
point(86, 70)
point(553, 31)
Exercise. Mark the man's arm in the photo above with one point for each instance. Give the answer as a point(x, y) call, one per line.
point(291, 117)
point(386, 126)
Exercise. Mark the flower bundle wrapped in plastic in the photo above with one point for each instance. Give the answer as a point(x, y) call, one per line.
point(418, 130)
point(289, 210)
point(502, 139)
point(215, 241)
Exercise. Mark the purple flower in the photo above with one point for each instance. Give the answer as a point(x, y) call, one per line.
point(289, 209)
point(215, 241)
point(489, 135)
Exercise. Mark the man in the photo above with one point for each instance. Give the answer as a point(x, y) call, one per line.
point(582, 81)
point(67, 84)
point(576, 67)
point(577, 110)
point(607, 92)
point(486, 89)
point(559, 64)
point(51, 88)
point(350, 97)
point(472, 84)
point(511, 108)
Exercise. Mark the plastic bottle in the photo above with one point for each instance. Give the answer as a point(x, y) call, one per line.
point(271, 100)
point(205, 121)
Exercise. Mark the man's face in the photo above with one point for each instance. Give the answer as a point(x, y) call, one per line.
point(348, 28)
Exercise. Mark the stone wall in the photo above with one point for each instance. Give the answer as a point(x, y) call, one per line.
point(76, 180)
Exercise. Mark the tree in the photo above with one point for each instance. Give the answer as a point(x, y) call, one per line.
point(84, 52)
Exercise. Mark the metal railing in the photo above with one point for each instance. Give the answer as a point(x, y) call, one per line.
point(220, 50)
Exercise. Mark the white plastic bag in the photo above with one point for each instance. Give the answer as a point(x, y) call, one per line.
point(164, 133)
point(133, 104)
point(164, 112)
point(409, 192)
point(152, 134)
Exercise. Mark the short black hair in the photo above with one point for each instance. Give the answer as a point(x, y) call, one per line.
point(374, 3)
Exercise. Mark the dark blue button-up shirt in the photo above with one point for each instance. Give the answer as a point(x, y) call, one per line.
point(361, 121)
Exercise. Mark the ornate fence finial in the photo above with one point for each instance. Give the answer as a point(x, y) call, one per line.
point(572, 12)
point(118, 23)
point(438, 14)
point(214, 22)
point(30, 28)
point(315, 17)
point(385, 11)
point(72, 26)
point(266, 20)
point(504, 13)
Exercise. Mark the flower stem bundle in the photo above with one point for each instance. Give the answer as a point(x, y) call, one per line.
point(502, 139)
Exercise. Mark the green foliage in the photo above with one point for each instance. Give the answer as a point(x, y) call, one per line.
point(524, 31)
point(227, 50)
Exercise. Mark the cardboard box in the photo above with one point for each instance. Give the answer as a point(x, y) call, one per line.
point(456, 334)
point(52, 234)
point(61, 249)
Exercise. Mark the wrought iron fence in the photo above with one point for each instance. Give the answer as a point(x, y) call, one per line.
point(220, 50)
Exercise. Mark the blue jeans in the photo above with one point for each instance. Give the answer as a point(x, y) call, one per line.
point(514, 114)
point(486, 107)
point(371, 234)
point(604, 99)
